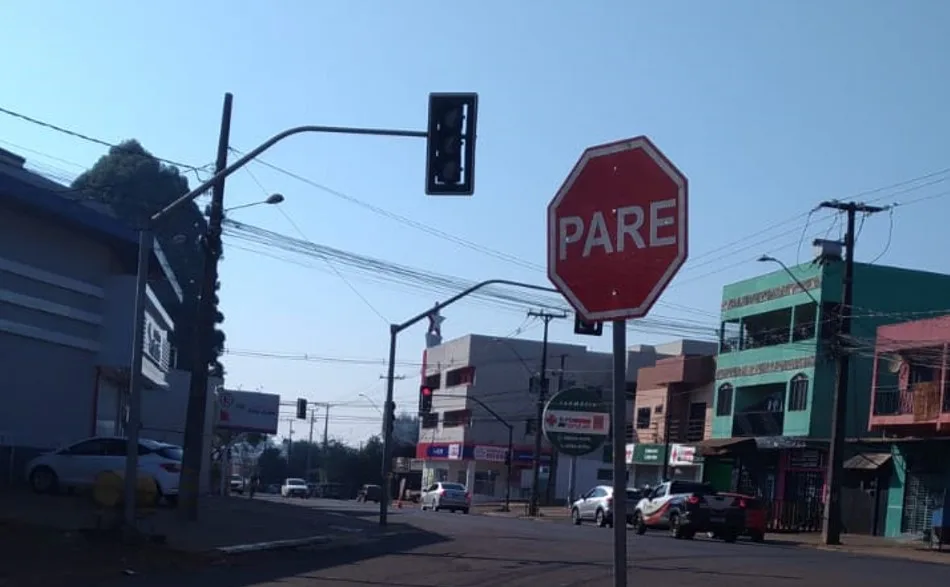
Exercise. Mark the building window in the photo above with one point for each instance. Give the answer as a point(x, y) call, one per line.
point(766, 329)
point(461, 376)
point(724, 400)
point(529, 427)
point(798, 393)
point(804, 326)
point(730, 336)
point(430, 420)
point(658, 409)
point(456, 418)
point(643, 418)
point(434, 381)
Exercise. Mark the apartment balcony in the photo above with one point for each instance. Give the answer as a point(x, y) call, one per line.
point(751, 424)
point(922, 403)
point(692, 430)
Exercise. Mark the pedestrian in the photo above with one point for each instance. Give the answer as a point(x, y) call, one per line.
point(254, 481)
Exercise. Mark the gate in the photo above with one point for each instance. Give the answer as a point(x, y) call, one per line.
point(923, 493)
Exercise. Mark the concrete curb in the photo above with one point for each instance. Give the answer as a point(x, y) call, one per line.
point(318, 542)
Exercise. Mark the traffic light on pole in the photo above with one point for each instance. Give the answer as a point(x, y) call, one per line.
point(450, 146)
point(301, 409)
point(425, 399)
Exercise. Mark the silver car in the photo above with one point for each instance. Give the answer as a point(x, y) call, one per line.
point(597, 505)
point(446, 496)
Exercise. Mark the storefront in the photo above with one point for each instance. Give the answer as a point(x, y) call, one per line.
point(647, 463)
point(481, 468)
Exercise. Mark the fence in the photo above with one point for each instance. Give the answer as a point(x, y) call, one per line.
point(794, 515)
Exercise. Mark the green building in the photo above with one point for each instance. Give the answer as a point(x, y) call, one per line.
point(775, 375)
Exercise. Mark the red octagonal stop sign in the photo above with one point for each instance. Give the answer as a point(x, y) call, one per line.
point(617, 230)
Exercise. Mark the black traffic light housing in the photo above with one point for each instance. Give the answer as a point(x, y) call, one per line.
point(301, 409)
point(586, 328)
point(450, 144)
point(425, 399)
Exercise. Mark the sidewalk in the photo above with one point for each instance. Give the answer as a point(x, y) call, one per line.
point(520, 510)
point(915, 550)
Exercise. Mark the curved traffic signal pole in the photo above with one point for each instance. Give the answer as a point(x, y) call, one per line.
point(146, 240)
point(394, 330)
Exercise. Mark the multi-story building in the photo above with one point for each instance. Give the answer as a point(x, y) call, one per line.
point(910, 411)
point(66, 278)
point(672, 412)
point(776, 370)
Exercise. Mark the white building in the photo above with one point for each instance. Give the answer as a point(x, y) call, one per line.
point(460, 441)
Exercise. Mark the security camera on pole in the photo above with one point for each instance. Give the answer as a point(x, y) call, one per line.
point(617, 235)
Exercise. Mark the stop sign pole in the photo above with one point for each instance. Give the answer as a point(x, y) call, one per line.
point(617, 235)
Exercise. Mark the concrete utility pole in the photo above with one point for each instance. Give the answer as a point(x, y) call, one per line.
point(831, 526)
point(542, 398)
point(313, 415)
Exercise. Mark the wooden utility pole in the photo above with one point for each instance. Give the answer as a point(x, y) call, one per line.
point(831, 526)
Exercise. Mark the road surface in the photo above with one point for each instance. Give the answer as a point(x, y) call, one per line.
point(455, 550)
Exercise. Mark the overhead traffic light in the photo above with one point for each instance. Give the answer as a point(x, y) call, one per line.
point(450, 147)
point(586, 328)
point(301, 409)
point(425, 399)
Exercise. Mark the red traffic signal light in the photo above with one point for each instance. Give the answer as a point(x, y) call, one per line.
point(425, 399)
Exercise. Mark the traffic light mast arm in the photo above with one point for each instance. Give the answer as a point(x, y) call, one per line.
point(491, 412)
point(397, 328)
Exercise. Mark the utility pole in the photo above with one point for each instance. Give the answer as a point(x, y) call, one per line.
point(831, 526)
point(313, 414)
point(290, 441)
point(203, 330)
point(542, 398)
point(552, 486)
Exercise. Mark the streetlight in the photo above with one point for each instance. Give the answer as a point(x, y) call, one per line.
point(372, 403)
point(771, 259)
point(271, 200)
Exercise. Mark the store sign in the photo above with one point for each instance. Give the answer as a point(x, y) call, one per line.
point(491, 454)
point(648, 454)
point(628, 456)
point(682, 455)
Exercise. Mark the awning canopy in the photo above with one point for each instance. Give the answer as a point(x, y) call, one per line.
point(721, 446)
point(868, 461)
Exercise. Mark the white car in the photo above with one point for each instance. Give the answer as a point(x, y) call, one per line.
point(446, 496)
point(294, 487)
point(78, 465)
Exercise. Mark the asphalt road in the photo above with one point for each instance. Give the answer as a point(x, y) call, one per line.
point(455, 550)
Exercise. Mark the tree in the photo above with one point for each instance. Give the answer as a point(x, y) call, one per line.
point(134, 184)
point(406, 429)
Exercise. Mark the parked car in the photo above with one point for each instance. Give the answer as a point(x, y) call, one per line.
point(77, 465)
point(597, 505)
point(294, 487)
point(370, 492)
point(446, 496)
point(237, 484)
point(687, 507)
point(756, 516)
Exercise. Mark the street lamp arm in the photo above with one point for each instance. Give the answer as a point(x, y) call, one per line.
point(251, 155)
point(397, 328)
point(770, 259)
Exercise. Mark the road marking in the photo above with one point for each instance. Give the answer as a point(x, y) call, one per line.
point(345, 529)
point(341, 515)
point(273, 545)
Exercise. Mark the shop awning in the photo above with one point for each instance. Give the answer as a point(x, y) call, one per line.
point(868, 461)
point(721, 446)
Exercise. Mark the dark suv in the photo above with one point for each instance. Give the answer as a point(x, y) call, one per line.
point(687, 507)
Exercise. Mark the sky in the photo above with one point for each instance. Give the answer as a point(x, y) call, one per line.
point(767, 107)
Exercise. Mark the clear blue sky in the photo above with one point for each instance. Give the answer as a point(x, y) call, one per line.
point(768, 107)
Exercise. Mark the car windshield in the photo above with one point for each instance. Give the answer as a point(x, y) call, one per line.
point(453, 486)
point(296, 482)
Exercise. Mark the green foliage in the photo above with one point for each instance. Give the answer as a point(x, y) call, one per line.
point(339, 463)
point(135, 185)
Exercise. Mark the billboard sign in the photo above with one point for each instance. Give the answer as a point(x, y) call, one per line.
point(246, 411)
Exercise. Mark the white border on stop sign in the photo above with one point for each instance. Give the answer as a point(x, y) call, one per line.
point(642, 143)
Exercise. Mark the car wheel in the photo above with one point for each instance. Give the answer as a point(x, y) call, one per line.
point(44, 480)
point(730, 536)
point(576, 517)
point(758, 537)
point(639, 525)
point(600, 519)
point(676, 526)
point(465, 511)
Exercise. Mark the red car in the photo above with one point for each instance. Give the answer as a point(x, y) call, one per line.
point(755, 515)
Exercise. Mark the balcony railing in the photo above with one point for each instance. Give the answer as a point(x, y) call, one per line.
point(922, 400)
point(693, 430)
point(746, 424)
